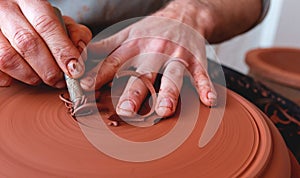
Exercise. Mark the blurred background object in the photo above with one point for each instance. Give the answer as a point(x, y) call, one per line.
point(277, 68)
point(280, 28)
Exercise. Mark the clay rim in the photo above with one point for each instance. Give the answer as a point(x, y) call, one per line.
point(270, 71)
point(261, 154)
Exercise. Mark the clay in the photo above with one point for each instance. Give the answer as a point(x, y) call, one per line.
point(277, 68)
point(39, 138)
point(76, 109)
point(276, 64)
point(83, 107)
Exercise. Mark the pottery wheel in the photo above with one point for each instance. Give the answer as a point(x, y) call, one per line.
point(40, 139)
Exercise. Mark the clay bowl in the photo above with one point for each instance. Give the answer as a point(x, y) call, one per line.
point(40, 139)
point(277, 68)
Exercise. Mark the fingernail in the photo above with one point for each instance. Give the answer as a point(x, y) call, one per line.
point(165, 107)
point(60, 84)
point(212, 97)
point(126, 108)
point(75, 68)
point(166, 103)
point(87, 82)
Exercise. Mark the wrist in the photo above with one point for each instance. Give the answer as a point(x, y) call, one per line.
point(216, 20)
point(196, 14)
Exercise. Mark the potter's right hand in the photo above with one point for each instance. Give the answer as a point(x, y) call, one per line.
point(34, 47)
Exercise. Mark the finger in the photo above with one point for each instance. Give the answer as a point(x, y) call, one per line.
point(108, 45)
point(107, 69)
point(45, 22)
point(29, 45)
point(170, 87)
point(204, 86)
point(5, 80)
point(13, 65)
point(136, 91)
point(79, 34)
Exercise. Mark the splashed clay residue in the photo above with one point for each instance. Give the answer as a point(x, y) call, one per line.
point(40, 139)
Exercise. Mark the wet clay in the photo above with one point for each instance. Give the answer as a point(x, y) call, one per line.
point(39, 138)
point(83, 107)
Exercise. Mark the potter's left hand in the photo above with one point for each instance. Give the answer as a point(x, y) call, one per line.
point(181, 41)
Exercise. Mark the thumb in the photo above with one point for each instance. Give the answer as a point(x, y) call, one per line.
point(105, 46)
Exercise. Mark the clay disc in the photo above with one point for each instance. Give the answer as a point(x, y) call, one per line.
point(39, 139)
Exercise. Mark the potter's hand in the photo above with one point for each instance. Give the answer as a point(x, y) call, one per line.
point(154, 43)
point(34, 47)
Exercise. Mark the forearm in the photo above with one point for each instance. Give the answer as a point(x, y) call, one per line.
point(233, 17)
point(216, 20)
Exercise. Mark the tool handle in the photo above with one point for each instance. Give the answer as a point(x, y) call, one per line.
point(73, 85)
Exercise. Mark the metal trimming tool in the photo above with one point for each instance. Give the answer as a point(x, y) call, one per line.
point(74, 89)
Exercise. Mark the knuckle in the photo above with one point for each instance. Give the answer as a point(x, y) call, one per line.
point(174, 72)
point(63, 53)
point(137, 32)
point(169, 92)
point(33, 81)
point(113, 61)
point(51, 76)
point(202, 82)
point(8, 58)
point(156, 45)
point(45, 24)
point(204, 88)
point(146, 73)
point(149, 75)
point(5, 80)
point(135, 92)
point(5, 83)
point(200, 75)
point(25, 41)
point(132, 44)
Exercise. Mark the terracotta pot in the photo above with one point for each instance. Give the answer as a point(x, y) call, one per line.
point(277, 68)
point(39, 139)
